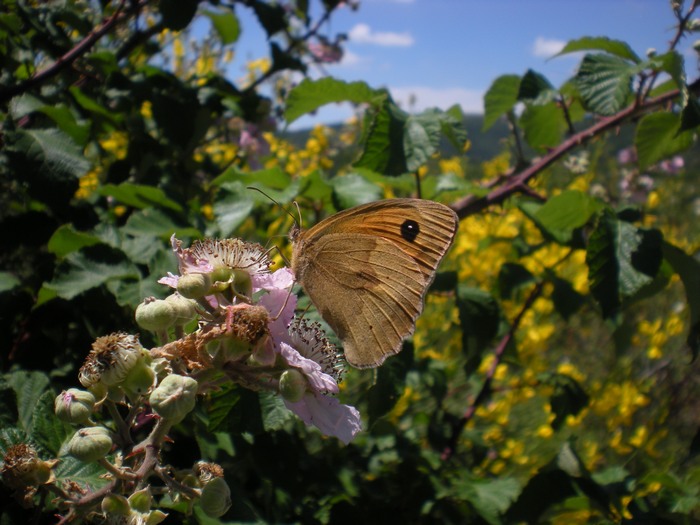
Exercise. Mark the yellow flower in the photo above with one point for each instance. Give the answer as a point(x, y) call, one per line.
point(544, 431)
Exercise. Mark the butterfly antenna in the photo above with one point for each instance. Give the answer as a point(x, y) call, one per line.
point(278, 204)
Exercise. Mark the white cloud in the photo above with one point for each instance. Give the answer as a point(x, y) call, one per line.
point(547, 47)
point(419, 98)
point(363, 34)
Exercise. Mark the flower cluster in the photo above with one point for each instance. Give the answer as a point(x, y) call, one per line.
point(248, 331)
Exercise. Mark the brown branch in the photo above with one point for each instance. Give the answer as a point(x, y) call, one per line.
point(67, 59)
point(485, 390)
point(472, 204)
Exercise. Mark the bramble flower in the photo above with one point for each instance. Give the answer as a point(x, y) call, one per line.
point(311, 354)
point(247, 331)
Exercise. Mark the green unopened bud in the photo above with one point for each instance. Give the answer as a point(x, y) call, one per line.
point(292, 385)
point(221, 279)
point(115, 504)
point(194, 285)
point(242, 283)
point(155, 314)
point(216, 498)
point(155, 517)
point(90, 444)
point(140, 379)
point(74, 405)
point(183, 307)
point(174, 398)
point(141, 500)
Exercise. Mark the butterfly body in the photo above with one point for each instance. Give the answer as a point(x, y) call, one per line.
point(367, 269)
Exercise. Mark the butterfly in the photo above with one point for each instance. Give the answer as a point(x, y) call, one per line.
point(367, 269)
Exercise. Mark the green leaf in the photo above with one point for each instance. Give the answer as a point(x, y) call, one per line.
point(500, 98)
point(614, 47)
point(658, 136)
point(622, 260)
point(562, 214)
point(688, 269)
point(49, 431)
point(568, 397)
point(28, 387)
point(226, 25)
point(271, 16)
point(177, 14)
point(383, 150)
point(282, 60)
point(80, 272)
point(490, 497)
point(52, 152)
point(8, 282)
point(535, 88)
point(512, 277)
point(567, 301)
point(232, 206)
point(605, 82)
point(543, 126)
point(93, 106)
point(156, 223)
point(275, 414)
point(352, 190)
point(309, 95)
point(390, 384)
point(422, 134)
point(690, 115)
point(479, 316)
point(139, 196)
point(87, 475)
point(67, 239)
point(65, 120)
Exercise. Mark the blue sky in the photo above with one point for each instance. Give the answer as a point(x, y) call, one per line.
point(449, 51)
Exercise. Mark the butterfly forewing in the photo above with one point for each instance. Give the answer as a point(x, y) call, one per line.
point(367, 269)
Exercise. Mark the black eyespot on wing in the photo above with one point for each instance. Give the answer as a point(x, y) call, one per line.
point(410, 230)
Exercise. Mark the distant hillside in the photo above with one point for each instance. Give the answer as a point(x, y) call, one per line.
point(484, 145)
point(487, 144)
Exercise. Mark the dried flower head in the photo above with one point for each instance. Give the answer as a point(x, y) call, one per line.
point(111, 358)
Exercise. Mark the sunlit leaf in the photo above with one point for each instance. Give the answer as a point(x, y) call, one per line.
point(688, 269)
point(309, 95)
point(500, 98)
point(614, 47)
point(605, 82)
point(226, 25)
point(658, 136)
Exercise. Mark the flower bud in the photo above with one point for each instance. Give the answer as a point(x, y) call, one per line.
point(174, 397)
point(292, 385)
point(155, 314)
point(111, 358)
point(693, 24)
point(194, 285)
point(216, 498)
point(74, 405)
point(141, 500)
point(155, 517)
point(140, 379)
point(115, 504)
point(90, 444)
point(696, 46)
point(242, 283)
point(23, 468)
point(183, 308)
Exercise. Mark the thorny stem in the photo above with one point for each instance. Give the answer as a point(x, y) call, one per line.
point(76, 52)
point(485, 390)
point(473, 204)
